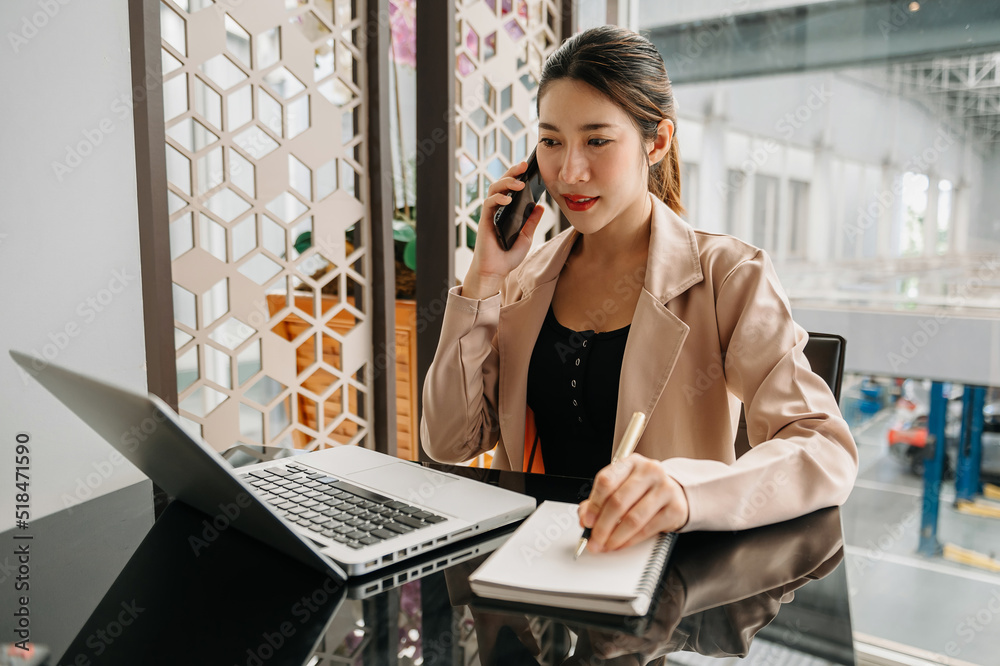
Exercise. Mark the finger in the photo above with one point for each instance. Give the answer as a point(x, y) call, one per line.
point(528, 230)
point(670, 512)
point(517, 169)
point(614, 511)
point(606, 482)
point(640, 522)
point(493, 202)
point(498, 199)
point(505, 184)
point(510, 174)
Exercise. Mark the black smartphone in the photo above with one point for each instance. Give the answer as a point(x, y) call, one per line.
point(510, 219)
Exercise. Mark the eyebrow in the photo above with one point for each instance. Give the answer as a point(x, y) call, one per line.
point(583, 128)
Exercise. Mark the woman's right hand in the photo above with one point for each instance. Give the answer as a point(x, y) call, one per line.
point(491, 264)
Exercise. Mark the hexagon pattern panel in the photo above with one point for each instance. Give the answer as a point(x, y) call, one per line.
point(500, 46)
point(269, 225)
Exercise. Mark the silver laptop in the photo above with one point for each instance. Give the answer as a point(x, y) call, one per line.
point(346, 509)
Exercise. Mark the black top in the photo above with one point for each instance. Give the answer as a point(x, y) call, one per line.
point(573, 392)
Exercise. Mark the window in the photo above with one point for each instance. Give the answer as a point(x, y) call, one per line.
point(798, 218)
point(765, 213)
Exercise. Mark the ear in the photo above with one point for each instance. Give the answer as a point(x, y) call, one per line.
point(659, 146)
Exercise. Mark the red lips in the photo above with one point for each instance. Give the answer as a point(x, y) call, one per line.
point(579, 202)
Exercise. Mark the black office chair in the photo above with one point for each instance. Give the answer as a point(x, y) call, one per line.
point(825, 353)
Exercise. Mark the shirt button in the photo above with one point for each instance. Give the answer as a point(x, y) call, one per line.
point(578, 361)
point(580, 419)
point(584, 343)
point(574, 403)
point(573, 383)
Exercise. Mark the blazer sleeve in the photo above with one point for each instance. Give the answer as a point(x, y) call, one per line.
point(459, 419)
point(803, 456)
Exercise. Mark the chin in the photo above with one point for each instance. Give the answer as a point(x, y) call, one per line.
point(586, 223)
point(588, 226)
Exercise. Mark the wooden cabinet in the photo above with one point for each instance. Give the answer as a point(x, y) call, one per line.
point(407, 418)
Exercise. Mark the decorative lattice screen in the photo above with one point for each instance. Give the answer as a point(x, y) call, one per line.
point(500, 47)
point(269, 227)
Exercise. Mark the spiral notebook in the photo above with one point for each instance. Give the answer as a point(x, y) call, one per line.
point(536, 566)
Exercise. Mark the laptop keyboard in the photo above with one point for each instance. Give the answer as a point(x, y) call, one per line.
point(336, 509)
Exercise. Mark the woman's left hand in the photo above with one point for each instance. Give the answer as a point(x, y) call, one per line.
point(631, 501)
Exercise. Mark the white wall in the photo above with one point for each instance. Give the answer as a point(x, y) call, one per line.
point(66, 238)
point(936, 345)
point(653, 13)
point(846, 137)
point(859, 121)
point(984, 228)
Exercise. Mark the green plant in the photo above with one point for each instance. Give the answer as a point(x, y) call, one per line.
point(404, 236)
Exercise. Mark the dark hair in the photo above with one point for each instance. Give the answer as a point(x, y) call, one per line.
point(628, 69)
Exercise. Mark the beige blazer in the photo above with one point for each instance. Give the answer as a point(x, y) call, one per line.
point(712, 328)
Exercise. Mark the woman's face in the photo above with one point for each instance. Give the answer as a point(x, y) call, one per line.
point(590, 156)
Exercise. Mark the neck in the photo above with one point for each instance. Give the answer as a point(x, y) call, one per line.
point(624, 237)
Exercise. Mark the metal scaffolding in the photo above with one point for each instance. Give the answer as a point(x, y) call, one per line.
point(965, 88)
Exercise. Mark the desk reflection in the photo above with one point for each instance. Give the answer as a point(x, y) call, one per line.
point(719, 592)
point(240, 602)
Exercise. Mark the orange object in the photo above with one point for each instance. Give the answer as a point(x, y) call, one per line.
point(913, 437)
point(530, 432)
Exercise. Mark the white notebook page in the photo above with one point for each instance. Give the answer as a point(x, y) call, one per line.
point(539, 556)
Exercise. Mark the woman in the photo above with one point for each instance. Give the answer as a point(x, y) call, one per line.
point(631, 310)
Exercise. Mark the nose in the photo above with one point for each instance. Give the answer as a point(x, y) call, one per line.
point(574, 168)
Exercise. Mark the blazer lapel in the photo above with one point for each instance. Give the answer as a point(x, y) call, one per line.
point(654, 344)
point(657, 334)
point(517, 331)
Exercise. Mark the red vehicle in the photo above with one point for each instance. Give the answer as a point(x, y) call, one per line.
point(908, 434)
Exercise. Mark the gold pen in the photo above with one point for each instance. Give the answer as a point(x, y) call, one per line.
point(629, 441)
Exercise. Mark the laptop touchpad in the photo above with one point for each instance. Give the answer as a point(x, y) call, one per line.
point(413, 484)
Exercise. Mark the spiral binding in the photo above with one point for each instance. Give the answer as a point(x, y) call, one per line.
point(654, 568)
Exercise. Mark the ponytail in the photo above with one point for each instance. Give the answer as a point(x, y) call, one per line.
point(665, 178)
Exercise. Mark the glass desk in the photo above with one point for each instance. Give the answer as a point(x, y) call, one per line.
point(774, 595)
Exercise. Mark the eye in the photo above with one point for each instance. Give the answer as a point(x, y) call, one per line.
point(548, 143)
point(597, 143)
